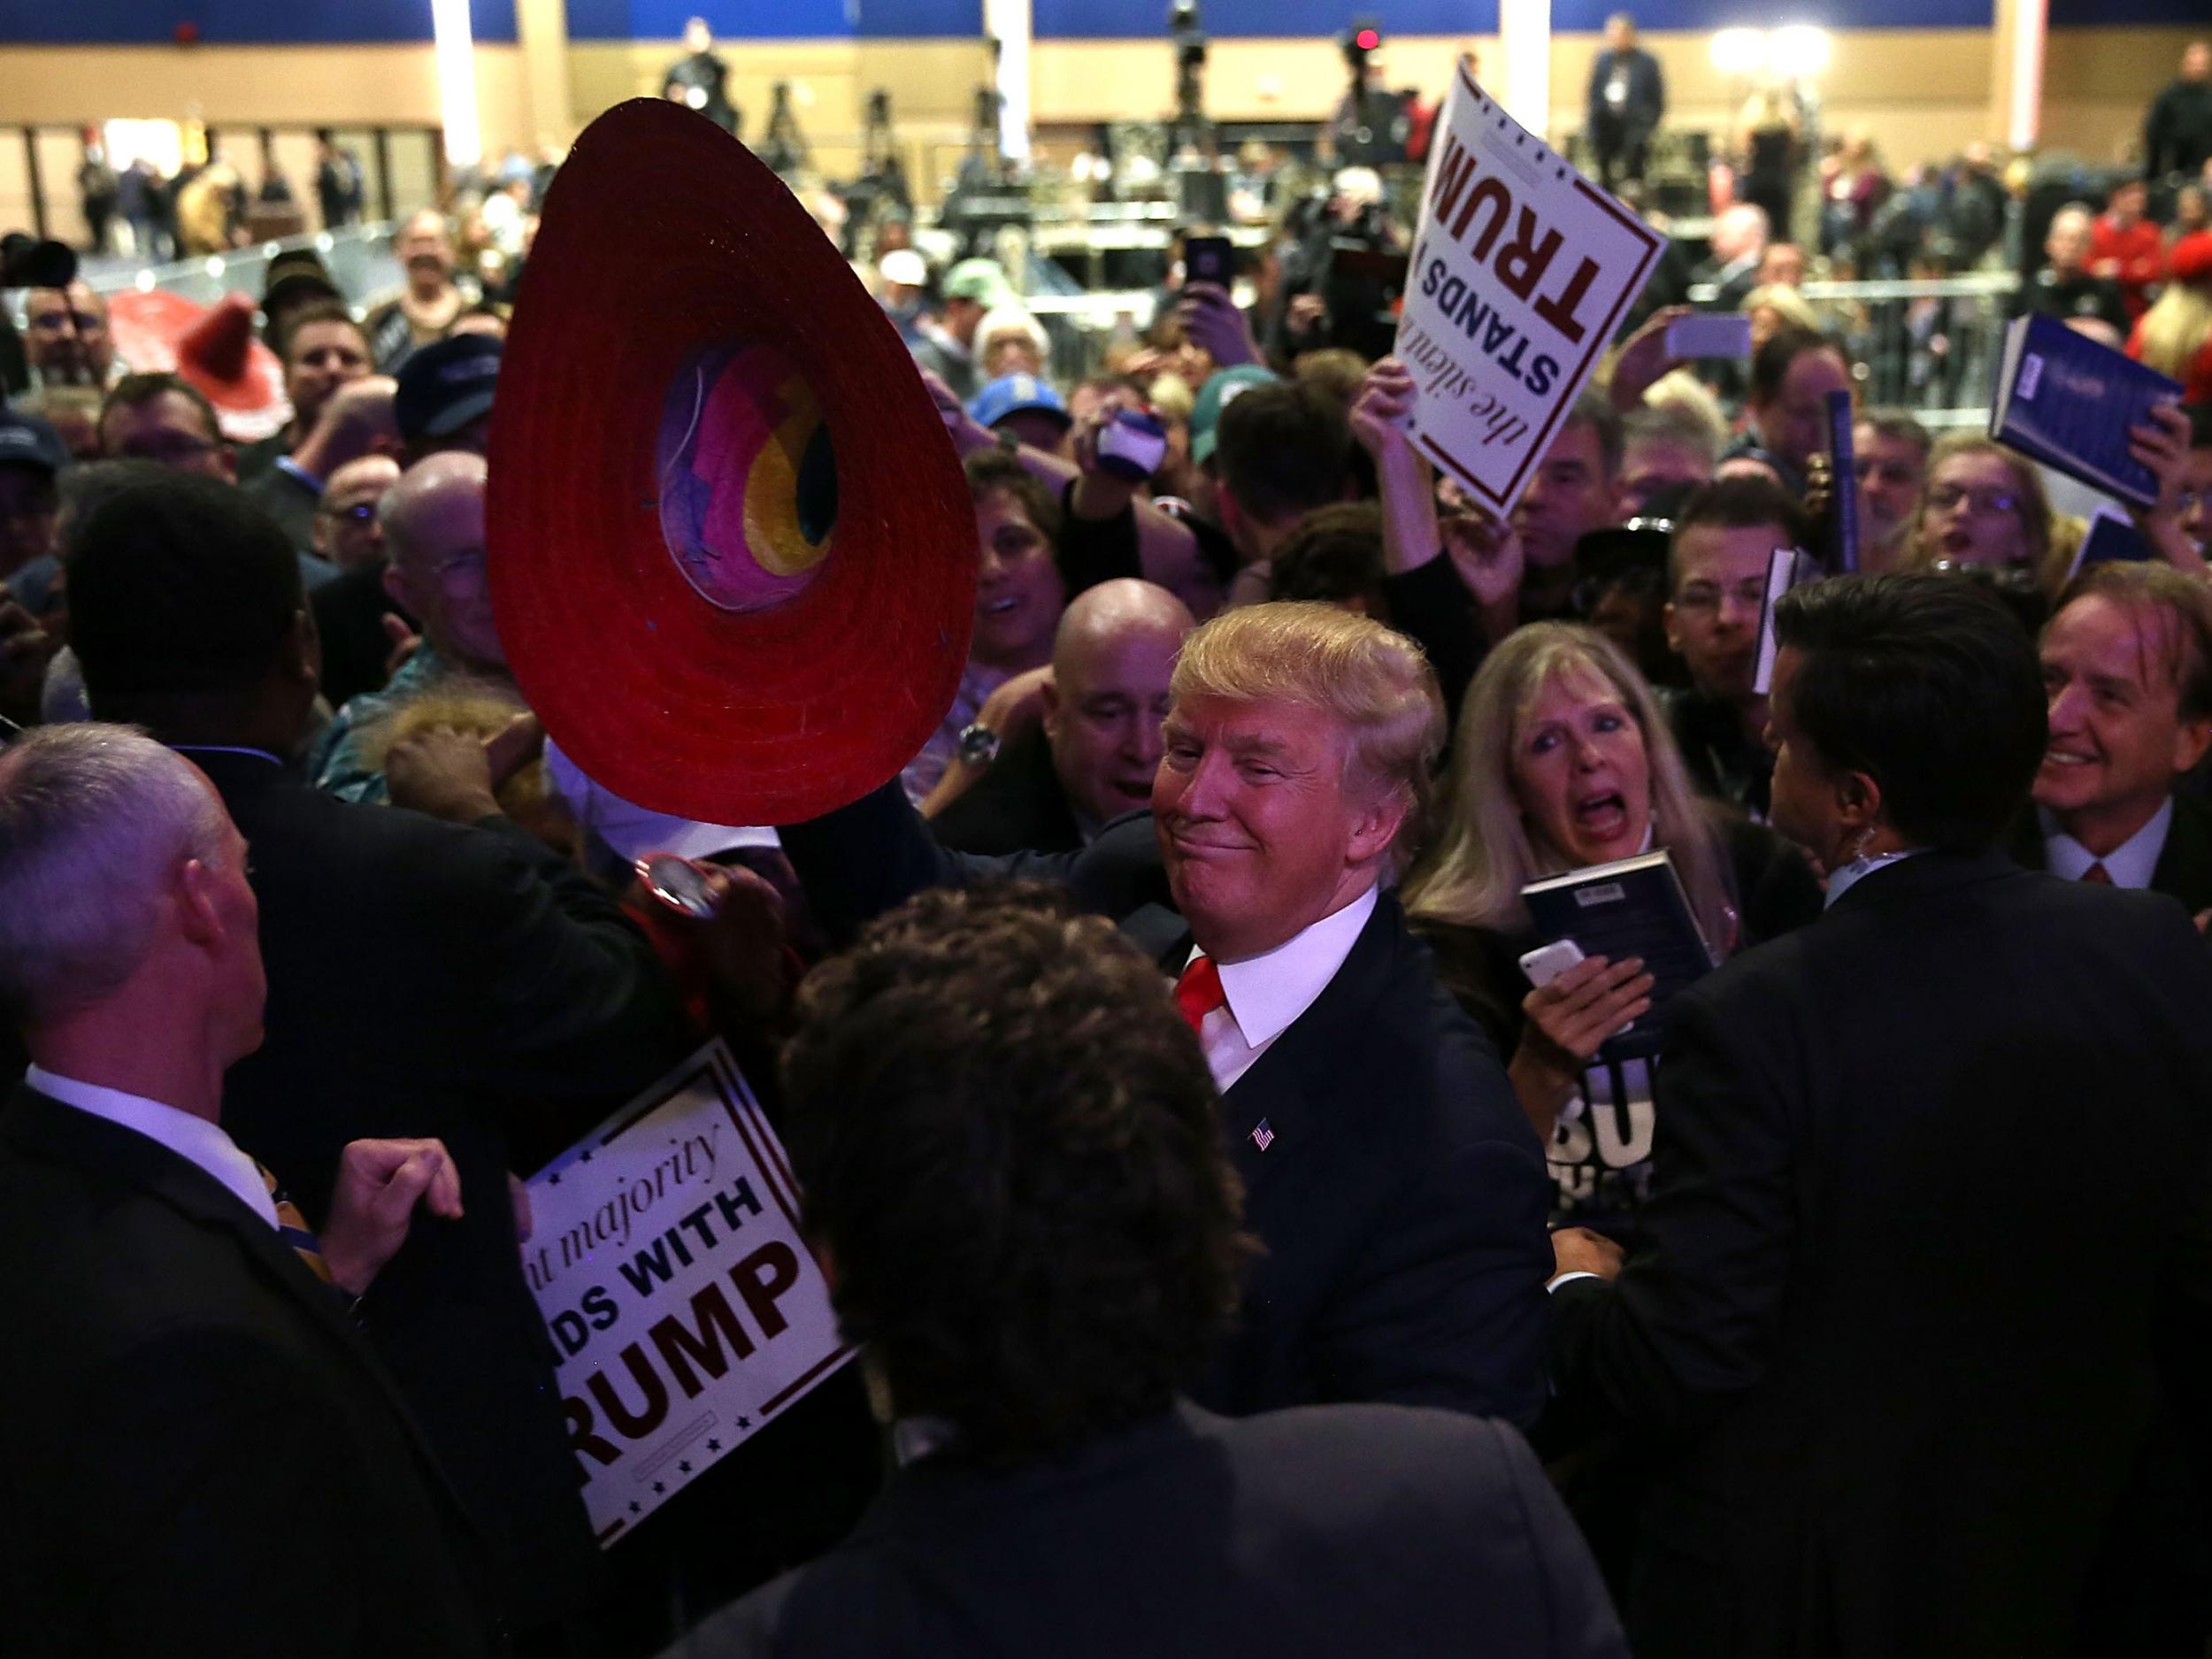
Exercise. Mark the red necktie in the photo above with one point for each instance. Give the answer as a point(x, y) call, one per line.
point(2098, 873)
point(1198, 993)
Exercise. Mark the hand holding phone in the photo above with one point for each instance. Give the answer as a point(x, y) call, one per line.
point(1546, 962)
point(1210, 260)
point(1709, 335)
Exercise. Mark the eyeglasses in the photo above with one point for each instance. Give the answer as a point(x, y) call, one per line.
point(169, 451)
point(359, 513)
point(465, 567)
point(1752, 592)
point(1983, 502)
point(2194, 501)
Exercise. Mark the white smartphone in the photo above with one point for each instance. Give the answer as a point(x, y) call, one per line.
point(1546, 962)
point(1709, 335)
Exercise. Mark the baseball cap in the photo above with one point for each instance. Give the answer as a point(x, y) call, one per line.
point(27, 441)
point(980, 281)
point(295, 274)
point(1213, 397)
point(445, 385)
point(1010, 394)
point(905, 267)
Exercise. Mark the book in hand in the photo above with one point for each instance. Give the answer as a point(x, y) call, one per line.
point(1632, 906)
point(2111, 539)
point(2066, 401)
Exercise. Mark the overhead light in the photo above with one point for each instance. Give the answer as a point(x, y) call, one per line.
point(1798, 49)
point(1740, 51)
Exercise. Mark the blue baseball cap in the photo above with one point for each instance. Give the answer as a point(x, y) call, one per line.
point(27, 439)
point(446, 385)
point(1011, 394)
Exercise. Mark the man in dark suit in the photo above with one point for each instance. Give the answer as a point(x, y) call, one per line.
point(1054, 787)
point(1030, 1322)
point(2127, 663)
point(1399, 1190)
point(1626, 103)
point(198, 1453)
point(454, 979)
point(1917, 1324)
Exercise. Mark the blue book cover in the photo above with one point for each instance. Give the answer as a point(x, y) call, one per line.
point(1633, 907)
point(2068, 402)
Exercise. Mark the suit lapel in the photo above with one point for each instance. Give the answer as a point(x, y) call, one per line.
point(2185, 863)
point(1285, 1103)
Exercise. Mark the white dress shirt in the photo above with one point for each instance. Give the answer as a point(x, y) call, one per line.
point(1266, 993)
point(2130, 865)
point(192, 1139)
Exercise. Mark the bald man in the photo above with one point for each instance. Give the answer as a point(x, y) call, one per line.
point(434, 543)
point(1094, 756)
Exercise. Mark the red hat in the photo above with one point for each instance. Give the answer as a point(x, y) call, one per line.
point(732, 554)
point(211, 347)
point(2191, 260)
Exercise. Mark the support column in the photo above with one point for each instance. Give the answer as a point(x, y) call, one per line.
point(1524, 43)
point(1009, 22)
point(457, 83)
point(541, 30)
point(2020, 32)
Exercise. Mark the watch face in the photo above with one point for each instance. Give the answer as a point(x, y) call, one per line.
point(678, 883)
point(979, 745)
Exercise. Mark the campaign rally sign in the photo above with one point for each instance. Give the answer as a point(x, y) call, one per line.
point(666, 1256)
point(1520, 273)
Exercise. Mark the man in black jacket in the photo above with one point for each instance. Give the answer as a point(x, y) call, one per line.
point(1626, 103)
point(1919, 1318)
point(198, 1453)
point(1399, 1190)
point(2177, 131)
point(1052, 788)
point(2127, 660)
point(1030, 1322)
point(454, 979)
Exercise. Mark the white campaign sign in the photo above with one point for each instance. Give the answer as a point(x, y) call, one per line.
point(666, 1256)
point(1521, 271)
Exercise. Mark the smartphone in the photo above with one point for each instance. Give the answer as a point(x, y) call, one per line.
point(1546, 962)
point(1132, 445)
point(1209, 260)
point(1709, 335)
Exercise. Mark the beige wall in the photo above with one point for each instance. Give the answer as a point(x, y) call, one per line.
point(1921, 93)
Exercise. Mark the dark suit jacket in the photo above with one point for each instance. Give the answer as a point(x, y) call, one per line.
point(429, 979)
point(1646, 100)
point(1930, 1184)
point(2184, 870)
point(1368, 1531)
point(198, 1455)
point(1402, 1196)
point(1015, 806)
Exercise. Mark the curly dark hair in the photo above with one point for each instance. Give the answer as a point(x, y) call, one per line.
point(1006, 1136)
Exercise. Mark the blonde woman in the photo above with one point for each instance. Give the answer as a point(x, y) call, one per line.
point(2175, 335)
point(1982, 504)
point(1563, 761)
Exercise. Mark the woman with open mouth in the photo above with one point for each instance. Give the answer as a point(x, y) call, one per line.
point(1563, 761)
point(1982, 505)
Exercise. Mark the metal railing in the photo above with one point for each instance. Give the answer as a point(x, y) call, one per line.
point(357, 258)
point(1927, 345)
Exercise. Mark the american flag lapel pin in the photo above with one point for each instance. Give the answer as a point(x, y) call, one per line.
point(1262, 1137)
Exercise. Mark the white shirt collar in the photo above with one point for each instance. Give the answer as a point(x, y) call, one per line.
point(1841, 881)
point(192, 1139)
point(1267, 992)
point(2130, 865)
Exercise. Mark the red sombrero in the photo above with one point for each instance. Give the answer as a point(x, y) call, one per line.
point(732, 554)
point(212, 347)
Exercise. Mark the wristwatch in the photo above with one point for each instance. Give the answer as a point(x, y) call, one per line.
point(978, 744)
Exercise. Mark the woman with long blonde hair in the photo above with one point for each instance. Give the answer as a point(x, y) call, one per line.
point(1563, 760)
point(2175, 335)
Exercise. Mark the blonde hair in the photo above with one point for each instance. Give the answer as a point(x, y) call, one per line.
point(1785, 303)
point(2174, 329)
point(2044, 559)
point(1484, 854)
point(1374, 679)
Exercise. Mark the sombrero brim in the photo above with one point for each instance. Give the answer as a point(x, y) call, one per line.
point(661, 235)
